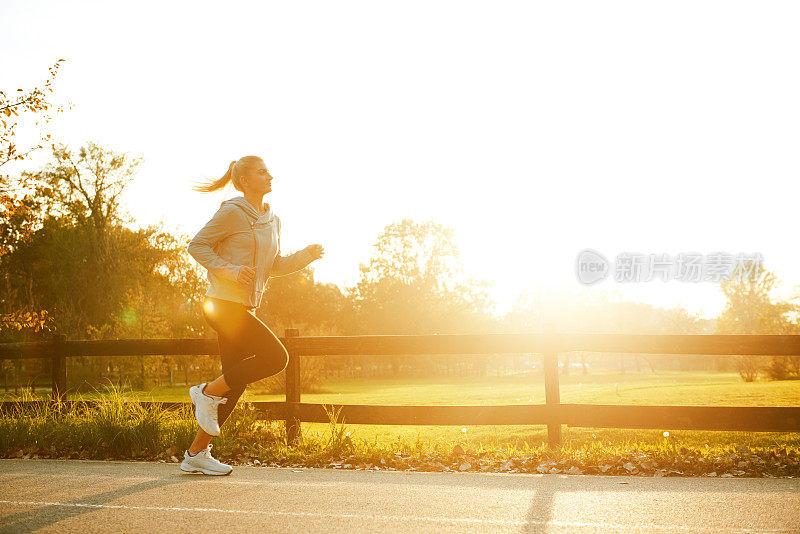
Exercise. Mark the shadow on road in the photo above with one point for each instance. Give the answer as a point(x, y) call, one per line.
point(45, 516)
point(533, 499)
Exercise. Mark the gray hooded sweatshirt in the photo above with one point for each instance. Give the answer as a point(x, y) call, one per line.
point(237, 236)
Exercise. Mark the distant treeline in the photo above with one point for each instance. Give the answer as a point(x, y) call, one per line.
point(72, 264)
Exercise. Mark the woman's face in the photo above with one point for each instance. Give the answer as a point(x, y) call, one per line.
point(258, 179)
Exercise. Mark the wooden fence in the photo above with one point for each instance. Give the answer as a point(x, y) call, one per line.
point(552, 413)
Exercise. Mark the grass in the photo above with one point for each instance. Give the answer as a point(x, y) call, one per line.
point(601, 387)
point(118, 427)
point(121, 428)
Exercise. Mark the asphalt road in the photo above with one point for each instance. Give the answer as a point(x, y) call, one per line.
point(95, 496)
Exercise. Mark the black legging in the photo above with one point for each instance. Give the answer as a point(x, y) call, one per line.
point(249, 350)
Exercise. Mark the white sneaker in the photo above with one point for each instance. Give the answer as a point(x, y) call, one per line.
point(203, 462)
point(205, 409)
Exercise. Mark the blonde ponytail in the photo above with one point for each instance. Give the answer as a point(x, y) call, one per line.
point(220, 183)
point(233, 175)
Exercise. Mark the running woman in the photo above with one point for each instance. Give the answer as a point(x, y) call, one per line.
point(240, 248)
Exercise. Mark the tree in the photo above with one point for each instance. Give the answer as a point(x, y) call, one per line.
point(85, 186)
point(79, 258)
point(415, 284)
point(95, 276)
point(19, 211)
point(32, 103)
point(297, 301)
point(574, 311)
point(751, 309)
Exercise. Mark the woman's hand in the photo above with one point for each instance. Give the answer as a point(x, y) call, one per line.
point(316, 251)
point(246, 275)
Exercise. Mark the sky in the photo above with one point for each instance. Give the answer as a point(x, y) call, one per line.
point(534, 130)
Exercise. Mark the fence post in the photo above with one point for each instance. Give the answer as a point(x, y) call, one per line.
point(552, 394)
point(59, 368)
point(292, 389)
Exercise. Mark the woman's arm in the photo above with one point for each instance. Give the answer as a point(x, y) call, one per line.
point(202, 244)
point(284, 265)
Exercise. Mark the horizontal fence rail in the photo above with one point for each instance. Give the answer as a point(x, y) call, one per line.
point(721, 418)
point(553, 413)
point(696, 344)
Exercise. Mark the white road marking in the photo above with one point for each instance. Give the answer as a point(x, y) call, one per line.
point(199, 478)
point(316, 515)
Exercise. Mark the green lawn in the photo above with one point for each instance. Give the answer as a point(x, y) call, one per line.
point(599, 387)
point(663, 388)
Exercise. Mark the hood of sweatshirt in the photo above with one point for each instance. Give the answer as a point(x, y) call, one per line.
point(249, 209)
